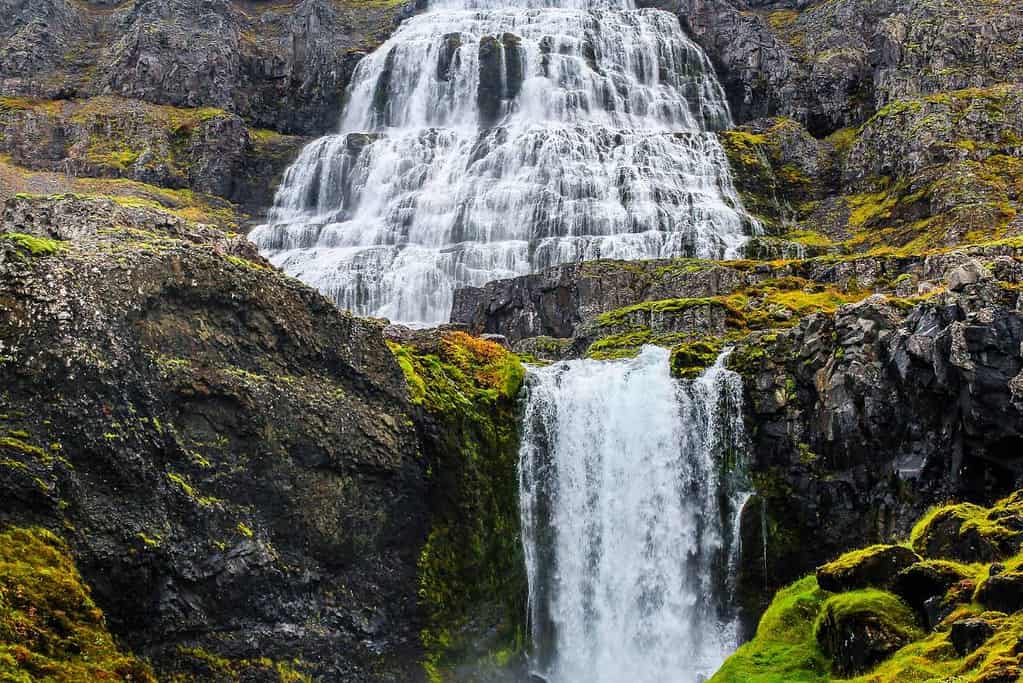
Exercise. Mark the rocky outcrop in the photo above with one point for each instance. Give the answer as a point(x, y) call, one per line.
point(205, 150)
point(924, 628)
point(238, 467)
point(831, 65)
point(940, 170)
point(246, 58)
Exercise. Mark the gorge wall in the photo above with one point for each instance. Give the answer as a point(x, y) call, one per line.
point(171, 404)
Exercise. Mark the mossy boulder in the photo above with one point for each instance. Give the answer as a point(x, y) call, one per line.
point(861, 628)
point(784, 648)
point(970, 533)
point(875, 566)
point(969, 634)
point(1002, 590)
point(927, 579)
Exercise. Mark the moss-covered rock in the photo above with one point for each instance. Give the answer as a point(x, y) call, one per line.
point(50, 628)
point(875, 566)
point(784, 648)
point(970, 533)
point(204, 150)
point(929, 579)
point(873, 636)
point(1002, 588)
point(861, 628)
point(471, 578)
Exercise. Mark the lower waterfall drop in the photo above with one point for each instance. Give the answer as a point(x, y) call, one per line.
point(631, 482)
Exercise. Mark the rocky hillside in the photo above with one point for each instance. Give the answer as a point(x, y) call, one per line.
point(257, 486)
point(945, 605)
point(242, 471)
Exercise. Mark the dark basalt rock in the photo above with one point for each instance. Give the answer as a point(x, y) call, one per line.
point(490, 94)
point(832, 65)
point(232, 460)
point(196, 53)
point(926, 580)
point(969, 634)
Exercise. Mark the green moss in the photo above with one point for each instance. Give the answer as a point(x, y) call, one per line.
point(785, 648)
point(207, 666)
point(17, 445)
point(471, 567)
point(622, 316)
point(32, 245)
point(787, 643)
point(186, 487)
point(690, 359)
point(50, 629)
point(995, 530)
point(878, 605)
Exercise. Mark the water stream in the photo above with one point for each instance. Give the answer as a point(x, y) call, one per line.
point(631, 484)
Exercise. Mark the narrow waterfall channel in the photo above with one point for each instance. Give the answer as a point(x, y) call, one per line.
point(631, 484)
point(485, 140)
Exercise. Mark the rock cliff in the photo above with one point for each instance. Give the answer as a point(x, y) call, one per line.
point(239, 467)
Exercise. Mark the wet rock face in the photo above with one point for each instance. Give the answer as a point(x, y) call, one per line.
point(232, 459)
point(195, 53)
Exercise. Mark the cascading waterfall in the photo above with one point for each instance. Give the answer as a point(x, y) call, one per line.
point(489, 139)
point(631, 484)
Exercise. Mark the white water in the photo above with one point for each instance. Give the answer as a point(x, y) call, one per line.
point(630, 492)
point(490, 139)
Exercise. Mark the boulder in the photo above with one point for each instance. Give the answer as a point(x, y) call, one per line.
point(969, 634)
point(875, 566)
point(970, 533)
point(928, 579)
point(1002, 591)
point(857, 630)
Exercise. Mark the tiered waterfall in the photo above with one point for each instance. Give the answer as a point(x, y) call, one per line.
point(489, 139)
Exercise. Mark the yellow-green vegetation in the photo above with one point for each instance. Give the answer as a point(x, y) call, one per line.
point(773, 303)
point(952, 531)
point(50, 629)
point(771, 187)
point(119, 133)
point(472, 559)
point(689, 359)
point(784, 649)
point(207, 666)
point(803, 621)
point(32, 245)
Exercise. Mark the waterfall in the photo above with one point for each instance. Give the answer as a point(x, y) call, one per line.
point(630, 492)
point(489, 139)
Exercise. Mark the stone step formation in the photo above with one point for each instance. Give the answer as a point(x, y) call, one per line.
point(481, 143)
